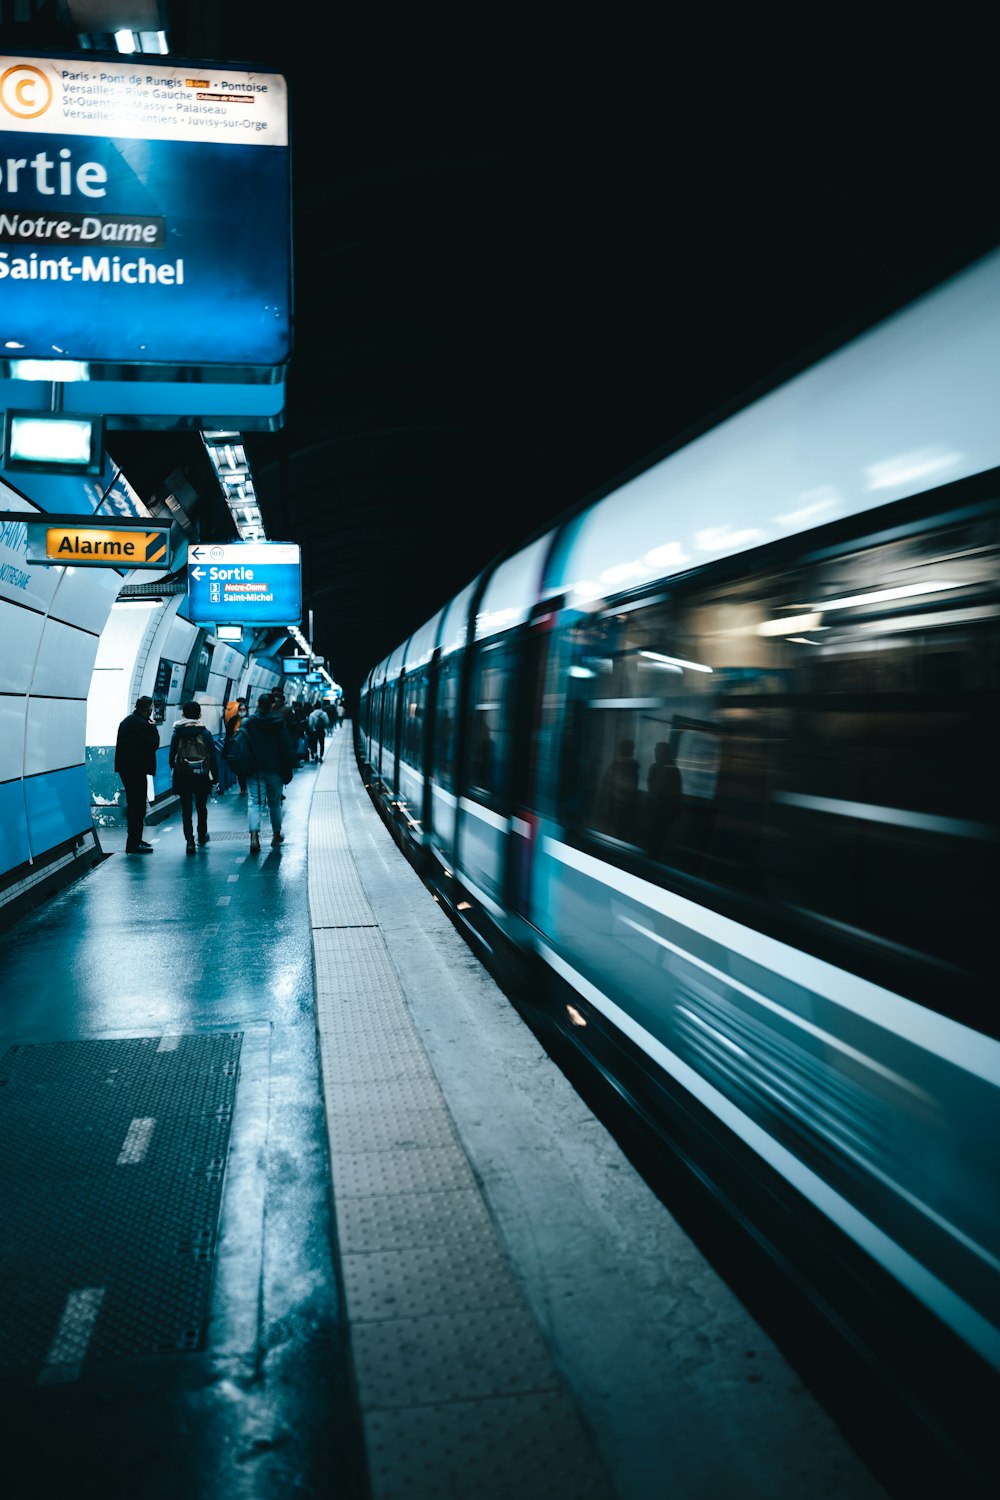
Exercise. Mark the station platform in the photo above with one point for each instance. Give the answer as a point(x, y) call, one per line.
point(294, 1204)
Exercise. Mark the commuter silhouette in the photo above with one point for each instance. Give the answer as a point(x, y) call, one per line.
point(663, 802)
point(263, 752)
point(619, 791)
point(319, 723)
point(193, 761)
point(236, 712)
point(135, 759)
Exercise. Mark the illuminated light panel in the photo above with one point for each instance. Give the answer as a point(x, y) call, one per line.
point(793, 622)
point(676, 661)
point(39, 442)
point(575, 1016)
point(59, 371)
point(879, 596)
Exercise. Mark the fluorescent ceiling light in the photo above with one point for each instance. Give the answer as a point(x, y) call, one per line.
point(58, 371)
point(38, 441)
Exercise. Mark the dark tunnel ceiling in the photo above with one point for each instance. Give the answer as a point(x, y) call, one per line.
point(526, 259)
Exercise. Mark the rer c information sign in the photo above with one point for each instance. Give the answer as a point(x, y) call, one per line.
point(245, 583)
point(144, 211)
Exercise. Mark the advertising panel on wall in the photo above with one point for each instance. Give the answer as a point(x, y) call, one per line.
point(145, 212)
point(245, 583)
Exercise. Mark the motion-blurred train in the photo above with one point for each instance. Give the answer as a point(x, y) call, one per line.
point(719, 751)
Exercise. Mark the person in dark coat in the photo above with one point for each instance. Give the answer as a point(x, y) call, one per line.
point(193, 761)
point(262, 751)
point(236, 712)
point(135, 759)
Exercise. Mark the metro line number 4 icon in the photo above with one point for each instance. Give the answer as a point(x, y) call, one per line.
point(245, 583)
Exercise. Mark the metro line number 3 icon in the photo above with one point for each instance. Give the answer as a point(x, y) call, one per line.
point(25, 91)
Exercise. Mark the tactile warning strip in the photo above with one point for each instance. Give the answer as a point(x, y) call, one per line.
point(458, 1391)
point(336, 898)
point(110, 1188)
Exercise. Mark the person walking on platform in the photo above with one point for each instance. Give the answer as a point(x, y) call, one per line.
point(235, 713)
point(135, 759)
point(261, 751)
point(287, 712)
point(193, 761)
point(340, 711)
point(319, 724)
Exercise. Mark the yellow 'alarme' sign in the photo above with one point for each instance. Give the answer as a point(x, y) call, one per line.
point(107, 548)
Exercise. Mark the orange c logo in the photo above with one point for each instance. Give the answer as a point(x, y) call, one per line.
point(25, 91)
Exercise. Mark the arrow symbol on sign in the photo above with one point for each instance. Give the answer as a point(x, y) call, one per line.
point(196, 553)
point(198, 573)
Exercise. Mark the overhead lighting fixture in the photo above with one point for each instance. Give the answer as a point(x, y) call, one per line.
point(56, 371)
point(39, 442)
point(228, 458)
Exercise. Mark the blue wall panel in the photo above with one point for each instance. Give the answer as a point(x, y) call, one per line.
point(58, 806)
point(13, 825)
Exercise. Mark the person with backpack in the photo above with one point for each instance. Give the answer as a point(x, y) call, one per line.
point(261, 751)
point(319, 723)
point(196, 769)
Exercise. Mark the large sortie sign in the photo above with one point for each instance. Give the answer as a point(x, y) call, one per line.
point(144, 212)
point(245, 583)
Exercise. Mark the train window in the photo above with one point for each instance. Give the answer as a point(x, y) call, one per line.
point(446, 721)
point(414, 711)
point(377, 732)
point(491, 713)
point(389, 725)
point(644, 730)
point(818, 737)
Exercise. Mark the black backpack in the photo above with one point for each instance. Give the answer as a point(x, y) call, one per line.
point(192, 756)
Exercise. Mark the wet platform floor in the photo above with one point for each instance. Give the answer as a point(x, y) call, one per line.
point(424, 1270)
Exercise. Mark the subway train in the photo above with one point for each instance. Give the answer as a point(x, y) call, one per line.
point(717, 752)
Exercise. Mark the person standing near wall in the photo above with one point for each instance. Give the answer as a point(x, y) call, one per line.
point(135, 759)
